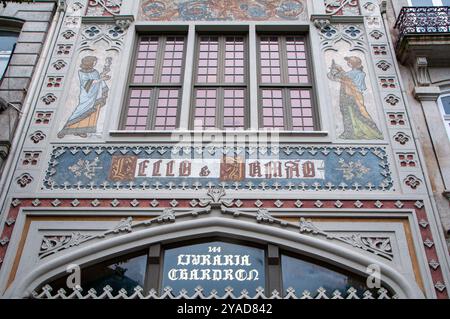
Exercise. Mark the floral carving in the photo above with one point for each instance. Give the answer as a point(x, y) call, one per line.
point(48, 98)
point(378, 245)
point(353, 169)
point(401, 138)
point(52, 244)
point(412, 181)
point(37, 136)
point(86, 168)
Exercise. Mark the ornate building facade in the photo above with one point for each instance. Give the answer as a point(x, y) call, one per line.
point(208, 149)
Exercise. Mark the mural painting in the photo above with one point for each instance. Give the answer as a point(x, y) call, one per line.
point(352, 96)
point(342, 7)
point(222, 10)
point(92, 97)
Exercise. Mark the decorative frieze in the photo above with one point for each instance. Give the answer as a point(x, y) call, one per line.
point(231, 10)
point(200, 293)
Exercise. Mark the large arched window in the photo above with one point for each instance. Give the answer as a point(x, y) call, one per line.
point(216, 264)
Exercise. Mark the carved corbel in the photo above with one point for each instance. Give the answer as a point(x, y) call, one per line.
point(321, 22)
point(421, 70)
point(123, 21)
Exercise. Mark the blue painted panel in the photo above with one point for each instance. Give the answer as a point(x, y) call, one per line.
point(117, 167)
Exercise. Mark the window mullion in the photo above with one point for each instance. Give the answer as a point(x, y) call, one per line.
point(154, 265)
point(159, 59)
point(287, 109)
point(186, 111)
point(253, 79)
point(151, 119)
point(274, 268)
point(219, 107)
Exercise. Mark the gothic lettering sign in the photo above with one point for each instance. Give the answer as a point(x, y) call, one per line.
point(214, 265)
point(248, 168)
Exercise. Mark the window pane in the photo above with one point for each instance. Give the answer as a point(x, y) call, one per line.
point(125, 273)
point(301, 108)
point(205, 109)
point(173, 60)
point(8, 40)
point(166, 109)
point(270, 60)
point(138, 110)
point(446, 3)
point(208, 60)
point(302, 275)
point(146, 60)
point(234, 117)
point(296, 59)
point(4, 60)
point(234, 60)
point(422, 3)
point(272, 108)
point(446, 104)
point(214, 265)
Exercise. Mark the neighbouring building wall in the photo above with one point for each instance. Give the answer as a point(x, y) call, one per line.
point(31, 21)
point(426, 79)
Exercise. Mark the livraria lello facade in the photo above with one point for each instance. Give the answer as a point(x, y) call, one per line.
point(240, 148)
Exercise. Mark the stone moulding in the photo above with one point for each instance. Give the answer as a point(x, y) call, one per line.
point(380, 246)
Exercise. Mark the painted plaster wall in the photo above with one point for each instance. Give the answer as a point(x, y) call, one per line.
point(102, 35)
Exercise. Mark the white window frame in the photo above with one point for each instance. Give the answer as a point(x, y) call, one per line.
point(445, 117)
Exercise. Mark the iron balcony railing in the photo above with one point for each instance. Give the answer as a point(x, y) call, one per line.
point(423, 20)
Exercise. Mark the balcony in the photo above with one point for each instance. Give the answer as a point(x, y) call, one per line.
point(424, 32)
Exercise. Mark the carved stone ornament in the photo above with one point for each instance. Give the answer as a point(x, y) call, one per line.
point(380, 246)
point(200, 293)
point(321, 23)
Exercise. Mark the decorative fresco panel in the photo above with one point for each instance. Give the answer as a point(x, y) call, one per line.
point(248, 168)
point(103, 7)
point(352, 94)
point(91, 82)
point(342, 7)
point(222, 10)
